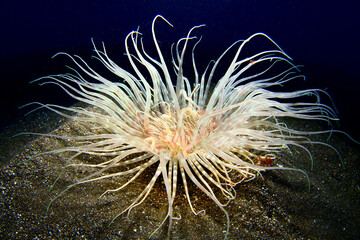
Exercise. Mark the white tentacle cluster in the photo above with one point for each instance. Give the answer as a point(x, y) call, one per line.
point(208, 130)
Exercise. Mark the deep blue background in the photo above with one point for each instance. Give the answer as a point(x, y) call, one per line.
point(322, 35)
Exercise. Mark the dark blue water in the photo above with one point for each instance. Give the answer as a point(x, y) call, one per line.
point(318, 34)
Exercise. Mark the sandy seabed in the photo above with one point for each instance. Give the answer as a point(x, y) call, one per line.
point(277, 205)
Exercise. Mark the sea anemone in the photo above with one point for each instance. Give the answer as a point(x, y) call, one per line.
point(215, 130)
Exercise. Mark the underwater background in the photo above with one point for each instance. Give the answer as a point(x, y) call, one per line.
point(321, 35)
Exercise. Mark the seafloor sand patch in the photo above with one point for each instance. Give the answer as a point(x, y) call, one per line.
point(279, 206)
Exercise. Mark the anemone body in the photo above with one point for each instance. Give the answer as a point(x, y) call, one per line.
point(210, 131)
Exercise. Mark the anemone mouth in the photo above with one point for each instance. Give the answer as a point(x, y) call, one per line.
point(215, 136)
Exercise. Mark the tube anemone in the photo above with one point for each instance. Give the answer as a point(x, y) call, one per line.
point(212, 131)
